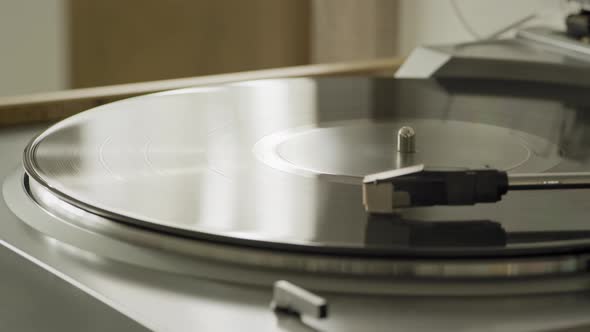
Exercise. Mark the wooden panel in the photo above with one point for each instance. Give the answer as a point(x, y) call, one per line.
point(58, 105)
point(114, 41)
point(344, 30)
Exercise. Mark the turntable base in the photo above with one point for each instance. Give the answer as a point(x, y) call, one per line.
point(169, 257)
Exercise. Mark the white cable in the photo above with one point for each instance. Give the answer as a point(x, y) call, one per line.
point(476, 35)
point(511, 26)
point(464, 21)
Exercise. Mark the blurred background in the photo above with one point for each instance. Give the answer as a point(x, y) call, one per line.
point(59, 44)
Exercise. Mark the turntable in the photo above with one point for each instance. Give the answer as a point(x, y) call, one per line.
point(452, 197)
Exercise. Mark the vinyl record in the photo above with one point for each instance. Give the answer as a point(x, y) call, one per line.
point(278, 163)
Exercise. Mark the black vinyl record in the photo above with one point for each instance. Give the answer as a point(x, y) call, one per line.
point(278, 163)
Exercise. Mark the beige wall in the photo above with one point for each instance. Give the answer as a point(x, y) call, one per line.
point(357, 29)
point(35, 48)
point(33, 55)
point(115, 41)
point(435, 22)
point(353, 29)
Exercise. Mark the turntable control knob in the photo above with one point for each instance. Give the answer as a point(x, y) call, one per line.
point(406, 140)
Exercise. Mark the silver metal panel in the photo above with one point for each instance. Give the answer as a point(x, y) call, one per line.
point(538, 54)
point(35, 299)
